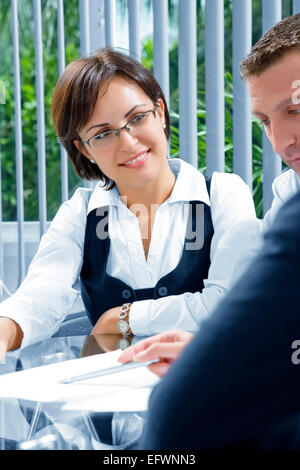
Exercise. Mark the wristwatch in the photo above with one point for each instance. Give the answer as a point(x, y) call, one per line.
point(123, 343)
point(123, 325)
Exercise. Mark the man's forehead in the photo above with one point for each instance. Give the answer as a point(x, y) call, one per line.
point(278, 105)
point(274, 101)
point(275, 88)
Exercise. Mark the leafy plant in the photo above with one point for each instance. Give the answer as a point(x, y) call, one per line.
point(28, 98)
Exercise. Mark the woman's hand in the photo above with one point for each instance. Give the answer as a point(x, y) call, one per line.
point(166, 347)
point(107, 323)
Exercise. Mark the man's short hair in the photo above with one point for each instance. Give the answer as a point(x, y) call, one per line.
point(282, 38)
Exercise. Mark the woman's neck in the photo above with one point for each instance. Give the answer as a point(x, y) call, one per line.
point(152, 195)
point(144, 202)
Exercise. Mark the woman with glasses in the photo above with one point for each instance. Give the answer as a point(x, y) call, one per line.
point(155, 244)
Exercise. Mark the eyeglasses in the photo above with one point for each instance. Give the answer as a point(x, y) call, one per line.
point(109, 138)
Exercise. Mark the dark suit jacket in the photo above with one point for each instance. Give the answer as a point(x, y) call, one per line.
point(235, 384)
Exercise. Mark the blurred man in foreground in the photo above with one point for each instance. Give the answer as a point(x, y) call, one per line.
point(236, 384)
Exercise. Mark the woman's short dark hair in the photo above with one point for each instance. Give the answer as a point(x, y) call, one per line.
point(75, 96)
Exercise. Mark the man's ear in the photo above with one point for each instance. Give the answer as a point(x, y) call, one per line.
point(82, 149)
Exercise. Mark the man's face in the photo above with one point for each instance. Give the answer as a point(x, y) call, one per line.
point(275, 99)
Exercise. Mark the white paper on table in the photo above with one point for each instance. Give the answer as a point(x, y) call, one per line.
point(123, 391)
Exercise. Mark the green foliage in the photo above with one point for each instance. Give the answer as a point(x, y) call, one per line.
point(147, 54)
point(29, 123)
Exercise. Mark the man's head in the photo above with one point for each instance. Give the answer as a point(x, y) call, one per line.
point(283, 38)
point(272, 70)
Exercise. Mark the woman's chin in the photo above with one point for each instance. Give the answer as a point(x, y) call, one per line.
point(139, 180)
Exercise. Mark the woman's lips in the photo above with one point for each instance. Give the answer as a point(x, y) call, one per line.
point(137, 161)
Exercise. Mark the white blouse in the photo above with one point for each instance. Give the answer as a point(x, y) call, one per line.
point(49, 290)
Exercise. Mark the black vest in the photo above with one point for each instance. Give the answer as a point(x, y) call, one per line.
point(100, 292)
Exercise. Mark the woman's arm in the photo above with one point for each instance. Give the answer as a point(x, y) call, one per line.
point(47, 294)
point(107, 323)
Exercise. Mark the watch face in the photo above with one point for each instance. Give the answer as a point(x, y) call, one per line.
point(123, 343)
point(123, 326)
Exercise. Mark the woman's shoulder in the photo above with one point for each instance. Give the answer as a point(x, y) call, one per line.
point(79, 201)
point(231, 198)
point(187, 171)
point(84, 200)
point(223, 183)
point(74, 210)
point(227, 178)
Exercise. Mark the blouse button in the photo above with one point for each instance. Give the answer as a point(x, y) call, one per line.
point(126, 294)
point(162, 291)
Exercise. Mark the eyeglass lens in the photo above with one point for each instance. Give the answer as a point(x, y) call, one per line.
point(134, 127)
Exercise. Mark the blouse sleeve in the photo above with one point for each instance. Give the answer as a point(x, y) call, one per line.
point(48, 291)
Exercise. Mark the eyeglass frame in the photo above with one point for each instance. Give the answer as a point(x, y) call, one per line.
point(118, 130)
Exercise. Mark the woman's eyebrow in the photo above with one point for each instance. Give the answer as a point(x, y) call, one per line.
point(98, 125)
point(125, 115)
point(132, 109)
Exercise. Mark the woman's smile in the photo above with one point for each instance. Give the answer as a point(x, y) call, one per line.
point(137, 161)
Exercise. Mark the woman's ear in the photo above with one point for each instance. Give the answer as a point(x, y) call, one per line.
point(82, 149)
point(160, 110)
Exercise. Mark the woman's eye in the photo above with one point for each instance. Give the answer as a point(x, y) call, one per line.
point(137, 119)
point(102, 135)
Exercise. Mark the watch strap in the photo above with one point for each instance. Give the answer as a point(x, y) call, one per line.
point(122, 324)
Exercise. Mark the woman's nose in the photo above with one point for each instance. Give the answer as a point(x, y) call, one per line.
point(126, 139)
